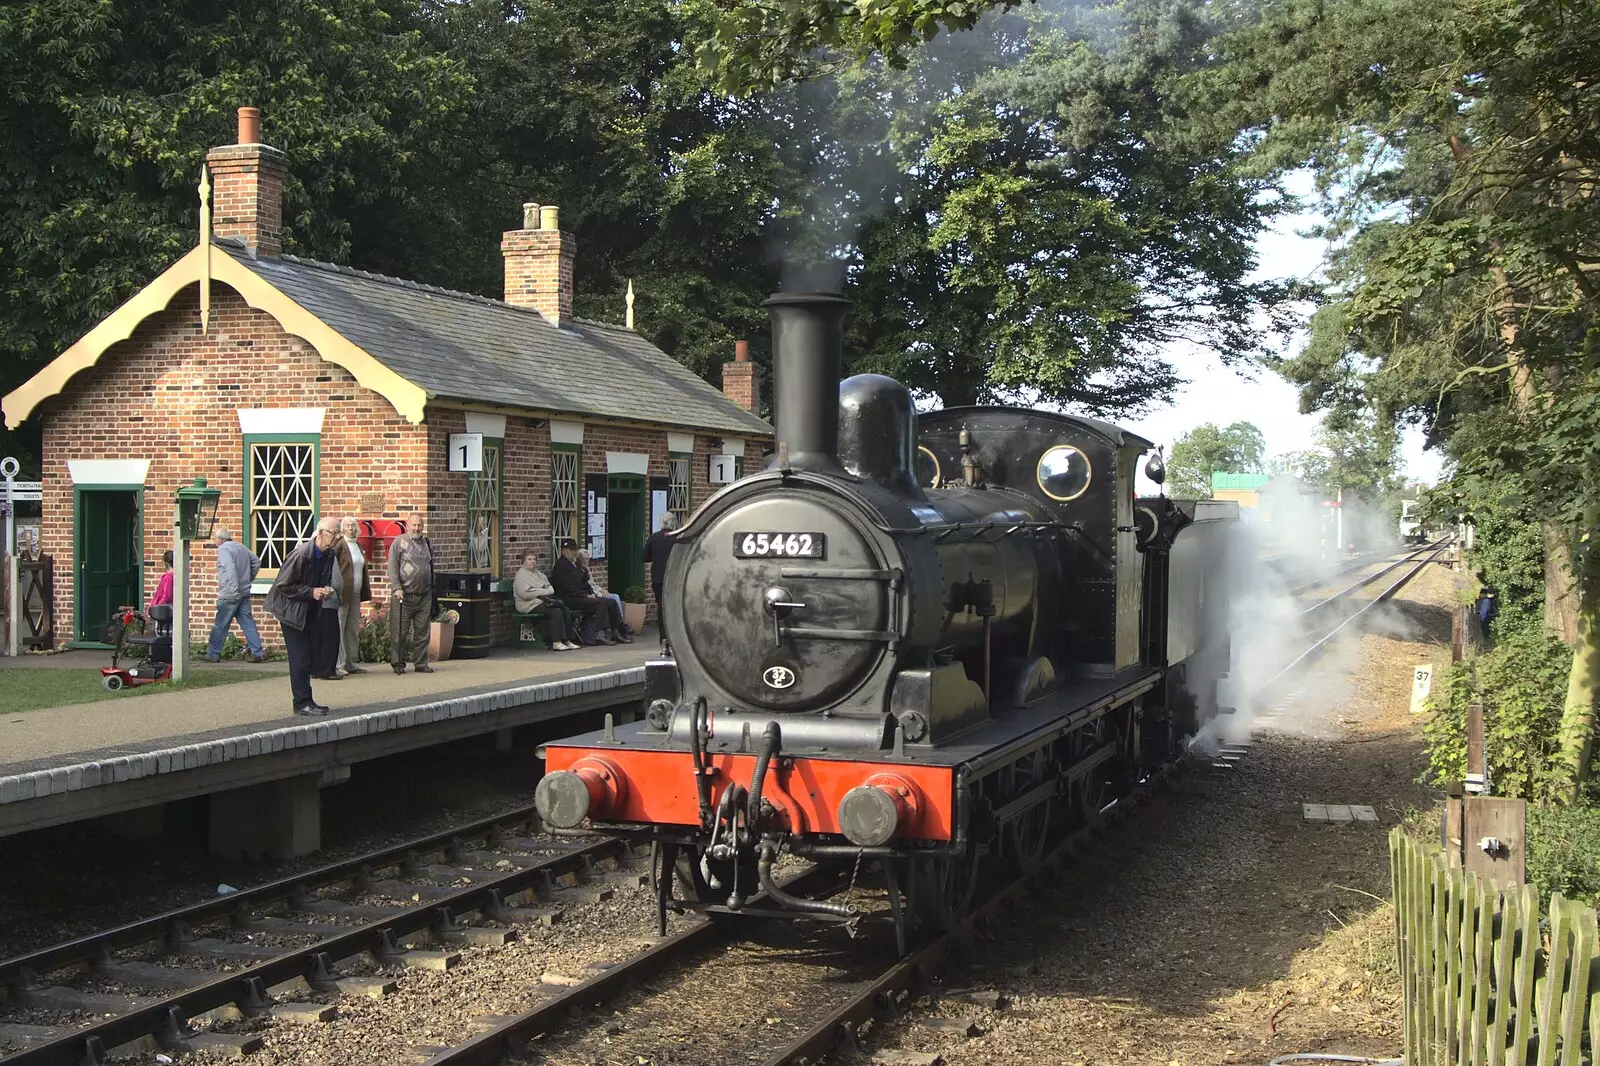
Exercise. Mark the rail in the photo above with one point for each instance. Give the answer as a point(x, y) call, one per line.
point(1314, 652)
point(167, 1019)
point(1338, 597)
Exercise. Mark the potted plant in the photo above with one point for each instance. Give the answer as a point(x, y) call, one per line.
point(442, 634)
point(633, 607)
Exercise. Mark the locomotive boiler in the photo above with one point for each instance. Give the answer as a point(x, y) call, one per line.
point(924, 642)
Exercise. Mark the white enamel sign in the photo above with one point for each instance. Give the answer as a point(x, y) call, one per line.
point(1421, 685)
point(722, 468)
point(466, 452)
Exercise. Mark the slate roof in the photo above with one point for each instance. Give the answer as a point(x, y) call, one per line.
point(458, 346)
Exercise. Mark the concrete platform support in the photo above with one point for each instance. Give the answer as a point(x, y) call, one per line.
point(275, 820)
point(142, 823)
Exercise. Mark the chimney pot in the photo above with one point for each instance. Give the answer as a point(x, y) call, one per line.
point(741, 351)
point(530, 216)
point(249, 125)
point(550, 217)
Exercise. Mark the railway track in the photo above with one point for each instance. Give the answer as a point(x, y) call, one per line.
point(1313, 614)
point(513, 879)
point(497, 901)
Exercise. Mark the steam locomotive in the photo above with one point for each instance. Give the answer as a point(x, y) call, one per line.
point(930, 644)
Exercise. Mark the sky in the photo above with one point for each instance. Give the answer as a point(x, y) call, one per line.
point(1216, 393)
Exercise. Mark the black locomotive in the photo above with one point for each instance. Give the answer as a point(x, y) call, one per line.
point(934, 642)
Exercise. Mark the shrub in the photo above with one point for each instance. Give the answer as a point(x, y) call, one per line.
point(633, 594)
point(1522, 685)
point(1564, 851)
point(373, 639)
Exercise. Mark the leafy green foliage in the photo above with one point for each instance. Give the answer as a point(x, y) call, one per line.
point(1564, 851)
point(633, 594)
point(1205, 450)
point(108, 109)
point(762, 46)
point(1509, 549)
point(373, 639)
point(1044, 236)
point(1521, 684)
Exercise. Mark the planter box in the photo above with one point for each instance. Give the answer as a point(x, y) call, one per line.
point(441, 640)
point(633, 616)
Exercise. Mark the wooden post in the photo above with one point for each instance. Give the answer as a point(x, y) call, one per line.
point(1450, 827)
point(1458, 633)
point(1493, 836)
point(1477, 761)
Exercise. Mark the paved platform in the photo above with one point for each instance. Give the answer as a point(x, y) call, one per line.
point(66, 764)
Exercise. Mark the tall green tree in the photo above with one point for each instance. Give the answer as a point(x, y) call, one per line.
point(108, 109)
point(1205, 450)
point(1456, 145)
point(1040, 236)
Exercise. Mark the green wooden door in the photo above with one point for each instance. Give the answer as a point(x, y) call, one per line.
point(108, 559)
point(625, 526)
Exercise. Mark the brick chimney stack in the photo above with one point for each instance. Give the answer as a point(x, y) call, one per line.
point(739, 382)
point(539, 260)
point(247, 187)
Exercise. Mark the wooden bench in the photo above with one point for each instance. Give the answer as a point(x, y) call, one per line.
point(531, 631)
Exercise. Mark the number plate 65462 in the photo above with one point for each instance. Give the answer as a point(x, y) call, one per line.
point(779, 545)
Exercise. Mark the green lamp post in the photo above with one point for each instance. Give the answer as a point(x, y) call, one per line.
point(195, 514)
point(197, 510)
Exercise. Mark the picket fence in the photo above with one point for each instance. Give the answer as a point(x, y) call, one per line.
point(1484, 984)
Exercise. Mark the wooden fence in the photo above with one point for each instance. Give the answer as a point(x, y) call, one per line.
point(1485, 985)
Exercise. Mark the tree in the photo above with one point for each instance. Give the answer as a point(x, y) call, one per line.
point(108, 110)
point(1041, 238)
point(1206, 450)
point(761, 45)
point(1456, 149)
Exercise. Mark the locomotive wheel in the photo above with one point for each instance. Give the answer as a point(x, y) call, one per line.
point(948, 886)
point(1028, 835)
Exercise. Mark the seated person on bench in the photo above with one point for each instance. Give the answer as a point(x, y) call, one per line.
point(573, 588)
point(534, 595)
point(594, 589)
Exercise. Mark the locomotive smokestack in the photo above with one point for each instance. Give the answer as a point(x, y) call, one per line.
point(807, 346)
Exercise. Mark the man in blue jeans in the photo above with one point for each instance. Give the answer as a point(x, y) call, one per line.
point(236, 568)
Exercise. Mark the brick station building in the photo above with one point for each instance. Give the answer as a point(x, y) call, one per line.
point(303, 389)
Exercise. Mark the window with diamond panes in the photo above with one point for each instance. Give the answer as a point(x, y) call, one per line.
point(678, 486)
point(483, 512)
point(564, 509)
point(282, 496)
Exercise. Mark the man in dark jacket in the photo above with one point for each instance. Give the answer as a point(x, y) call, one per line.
point(572, 587)
point(304, 580)
point(657, 550)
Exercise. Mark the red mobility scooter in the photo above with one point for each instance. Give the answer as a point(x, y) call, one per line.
point(126, 635)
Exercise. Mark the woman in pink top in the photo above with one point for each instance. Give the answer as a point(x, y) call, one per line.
point(164, 586)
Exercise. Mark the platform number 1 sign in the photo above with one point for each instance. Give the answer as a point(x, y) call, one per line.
point(722, 469)
point(466, 452)
point(1421, 684)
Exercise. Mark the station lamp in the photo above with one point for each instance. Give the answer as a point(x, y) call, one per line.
point(197, 509)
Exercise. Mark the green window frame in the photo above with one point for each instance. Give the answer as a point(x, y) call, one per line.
point(282, 494)
point(566, 494)
point(485, 491)
point(680, 484)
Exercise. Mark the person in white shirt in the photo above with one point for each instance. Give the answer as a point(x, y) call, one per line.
point(350, 613)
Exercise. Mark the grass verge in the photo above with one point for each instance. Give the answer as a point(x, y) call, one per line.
point(38, 688)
